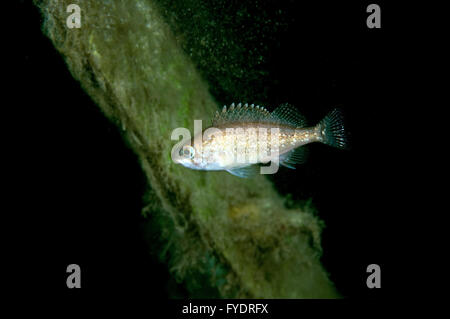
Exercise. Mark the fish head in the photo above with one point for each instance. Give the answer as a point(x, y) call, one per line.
point(188, 156)
point(206, 154)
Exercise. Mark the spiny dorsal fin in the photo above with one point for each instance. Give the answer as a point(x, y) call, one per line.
point(285, 114)
point(288, 115)
point(240, 113)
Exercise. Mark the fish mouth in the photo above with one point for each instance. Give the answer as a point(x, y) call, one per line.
point(187, 162)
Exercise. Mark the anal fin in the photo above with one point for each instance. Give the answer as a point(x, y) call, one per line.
point(245, 172)
point(296, 156)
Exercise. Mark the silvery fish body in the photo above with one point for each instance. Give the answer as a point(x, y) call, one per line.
point(244, 135)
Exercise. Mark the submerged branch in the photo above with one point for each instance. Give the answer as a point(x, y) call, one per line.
point(234, 234)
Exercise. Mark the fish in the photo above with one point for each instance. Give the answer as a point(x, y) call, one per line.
point(243, 137)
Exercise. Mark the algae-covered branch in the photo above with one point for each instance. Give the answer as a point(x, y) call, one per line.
point(234, 236)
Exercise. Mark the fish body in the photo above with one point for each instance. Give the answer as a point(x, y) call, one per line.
point(242, 136)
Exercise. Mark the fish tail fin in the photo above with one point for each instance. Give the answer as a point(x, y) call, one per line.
point(332, 130)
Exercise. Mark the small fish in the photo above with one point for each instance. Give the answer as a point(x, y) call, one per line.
point(244, 135)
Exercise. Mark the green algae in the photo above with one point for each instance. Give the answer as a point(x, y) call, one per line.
point(221, 236)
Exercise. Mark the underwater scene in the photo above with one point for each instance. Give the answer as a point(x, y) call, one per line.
point(157, 187)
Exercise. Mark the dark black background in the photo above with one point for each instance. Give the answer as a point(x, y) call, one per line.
point(80, 188)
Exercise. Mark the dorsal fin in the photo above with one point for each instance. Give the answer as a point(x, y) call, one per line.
point(240, 113)
point(288, 115)
point(285, 114)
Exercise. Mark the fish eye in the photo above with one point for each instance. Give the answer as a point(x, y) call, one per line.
point(187, 151)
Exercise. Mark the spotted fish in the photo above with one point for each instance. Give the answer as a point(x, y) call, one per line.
point(242, 136)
